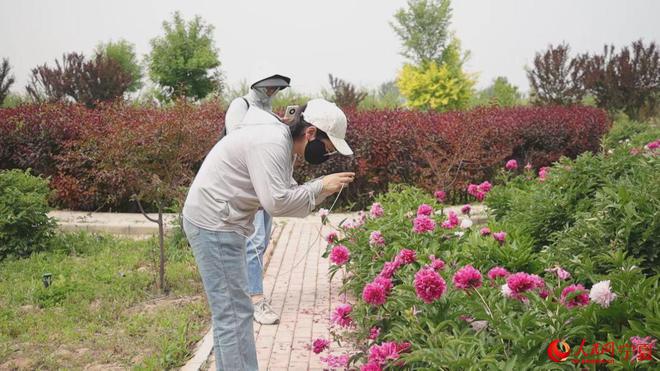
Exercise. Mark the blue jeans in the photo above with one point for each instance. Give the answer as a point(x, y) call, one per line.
point(256, 247)
point(220, 257)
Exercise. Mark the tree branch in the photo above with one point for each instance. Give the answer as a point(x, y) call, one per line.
point(143, 212)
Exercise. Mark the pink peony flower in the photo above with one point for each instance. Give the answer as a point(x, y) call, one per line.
point(339, 254)
point(479, 191)
point(528, 167)
point(647, 342)
point(452, 221)
point(320, 345)
point(485, 187)
point(376, 239)
point(467, 278)
point(543, 173)
point(539, 283)
point(371, 366)
point(342, 315)
point(511, 165)
point(498, 272)
point(466, 209)
point(440, 196)
point(500, 237)
point(385, 282)
point(485, 231)
point(423, 224)
point(560, 272)
point(520, 282)
point(429, 285)
point(374, 294)
point(601, 294)
point(323, 213)
point(334, 361)
point(376, 210)
point(387, 351)
point(424, 209)
point(653, 145)
point(581, 297)
point(389, 268)
point(453, 218)
point(406, 256)
point(332, 237)
point(374, 333)
point(466, 223)
point(436, 264)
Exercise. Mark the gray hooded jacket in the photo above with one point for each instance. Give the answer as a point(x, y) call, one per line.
point(250, 168)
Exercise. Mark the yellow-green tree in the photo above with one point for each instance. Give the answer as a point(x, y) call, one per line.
point(434, 87)
point(435, 79)
point(442, 86)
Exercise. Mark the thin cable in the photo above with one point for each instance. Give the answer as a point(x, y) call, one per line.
point(309, 248)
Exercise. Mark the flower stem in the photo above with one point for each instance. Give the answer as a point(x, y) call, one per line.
point(490, 313)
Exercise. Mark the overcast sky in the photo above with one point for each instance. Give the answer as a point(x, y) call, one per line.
point(309, 39)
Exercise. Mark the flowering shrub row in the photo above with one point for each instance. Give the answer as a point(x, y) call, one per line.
point(430, 150)
point(427, 289)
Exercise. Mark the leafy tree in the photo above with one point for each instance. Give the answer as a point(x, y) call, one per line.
point(84, 81)
point(185, 60)
point(628, 80)
point(6, 80)
point(435, 87)
point(500, 93)
point(555, 77)
point(124, 52)
point(345, 94)
point(386, 96)
point(423, 29)
point(435, 79)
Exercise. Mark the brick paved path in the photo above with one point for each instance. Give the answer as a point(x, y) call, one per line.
point(301, 294)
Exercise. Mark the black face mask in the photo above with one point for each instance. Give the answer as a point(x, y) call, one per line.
point(315, 152)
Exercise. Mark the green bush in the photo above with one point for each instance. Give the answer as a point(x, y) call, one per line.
point(24, 223)
point(592, 205)
point(625, 130)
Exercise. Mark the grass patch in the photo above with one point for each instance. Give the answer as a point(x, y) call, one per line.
point(102, 307)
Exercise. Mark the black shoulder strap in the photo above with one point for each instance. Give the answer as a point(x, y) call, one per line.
point(224, 130)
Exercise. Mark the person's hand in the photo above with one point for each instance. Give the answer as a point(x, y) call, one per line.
point(334, 182)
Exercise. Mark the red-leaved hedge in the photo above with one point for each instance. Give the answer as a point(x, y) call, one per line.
point(433, 150)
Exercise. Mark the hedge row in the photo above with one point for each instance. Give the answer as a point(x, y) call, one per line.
point(68, 143)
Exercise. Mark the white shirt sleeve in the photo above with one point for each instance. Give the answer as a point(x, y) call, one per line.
point(235, 113)
point(272, 182)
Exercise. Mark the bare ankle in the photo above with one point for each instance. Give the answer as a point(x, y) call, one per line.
point(257, 298)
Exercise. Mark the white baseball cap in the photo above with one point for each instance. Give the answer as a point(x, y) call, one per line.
point(328, 117)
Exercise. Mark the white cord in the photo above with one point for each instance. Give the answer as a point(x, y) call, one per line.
point(309, 248)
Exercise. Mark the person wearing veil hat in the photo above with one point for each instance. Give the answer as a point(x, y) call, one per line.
point(263, 88)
